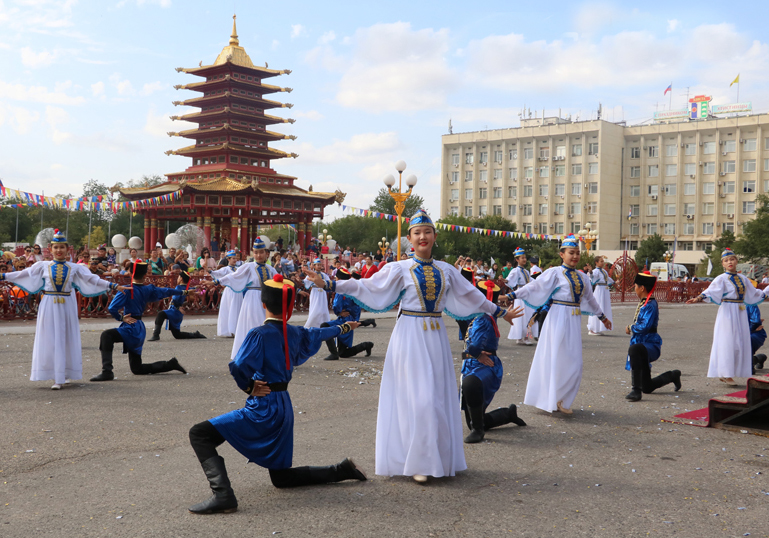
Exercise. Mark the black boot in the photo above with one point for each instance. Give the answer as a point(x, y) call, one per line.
point(333, 353)
point(155, 333)
point(198, 334)
point(371, 322)
point(309, 476)
point(676, 379)
point(369, 347)
point(477, 433)
point(223, 500)
point(105, 375)
point(636, 377)
point(759, 360)
point(671, 376)
point(173, 364)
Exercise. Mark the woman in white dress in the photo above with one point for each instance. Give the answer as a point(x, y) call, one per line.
point(232, 298)
point(57, 353)
point(556, 371)
point(731, 354)
point(249, 277)
point(518, 278)
point(419, 428)
point(601, 282)
point(318, 312)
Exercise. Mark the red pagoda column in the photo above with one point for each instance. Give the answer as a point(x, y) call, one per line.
point(161, 232)
point(207, 228)
point(244, 248)
point(300, 235)
point(234, 233)
point(147, 237)
point(153, 232)
point(307, 234)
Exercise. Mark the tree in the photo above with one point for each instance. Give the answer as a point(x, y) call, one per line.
point(384, 203)
point(753, 245)
point(726, 240)
point(652, 249)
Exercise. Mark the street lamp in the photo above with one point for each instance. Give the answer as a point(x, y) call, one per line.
point(668, 255)
point(384, 244)
point(588, 235)
point(399, 196)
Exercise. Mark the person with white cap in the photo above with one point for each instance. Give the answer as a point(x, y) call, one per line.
point(232, 298)
point(517, 278)
point(318, 311)
point(601, 282)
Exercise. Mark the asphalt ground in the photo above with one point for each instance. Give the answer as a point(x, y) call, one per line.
point(113, 459)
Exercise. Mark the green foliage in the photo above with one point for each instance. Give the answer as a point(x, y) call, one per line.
point(753, 245)
point(652, 249)
point(384, 203)
point(363, 233)
point(727, 240)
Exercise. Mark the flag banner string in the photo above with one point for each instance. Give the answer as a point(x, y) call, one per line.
point(455, 227)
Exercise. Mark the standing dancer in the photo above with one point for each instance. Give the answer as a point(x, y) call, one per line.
point(346, 310)
point(601, 282)
point(318, 312)
point(419, 427)
point(730, 355)
point(556, 371)
point(645, 343)
point(174, 315)
point(132, 331)
point(263, 431)
point(232, 299)
point(516, 279)
point(57, 352)
point(482, 373)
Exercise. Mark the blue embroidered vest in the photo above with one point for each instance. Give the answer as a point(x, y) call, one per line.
point(429, 283)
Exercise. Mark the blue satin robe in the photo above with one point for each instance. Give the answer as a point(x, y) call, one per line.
point(757, 338)
point(174, 316)
point(263, 431)
point(643, 331)
point(133, 335)
point(340, 304)
point(482, 336)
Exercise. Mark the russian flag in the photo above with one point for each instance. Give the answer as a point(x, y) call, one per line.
point(668, 89)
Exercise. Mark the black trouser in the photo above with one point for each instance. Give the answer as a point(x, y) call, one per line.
point(107, 344)
point(472, 398)
point(337, 347)
point(639, 361)
point(463, 325)
point(204, 438)
point(179, 335)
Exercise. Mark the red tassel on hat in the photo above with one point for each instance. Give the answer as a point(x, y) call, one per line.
point(288, 308)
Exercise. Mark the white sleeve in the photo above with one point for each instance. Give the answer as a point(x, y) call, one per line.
point(538, 292)
point(463, 300)
point(716, 290)
point(88, 283)
point(238, 280)
point(378, 293)
point(30, 279)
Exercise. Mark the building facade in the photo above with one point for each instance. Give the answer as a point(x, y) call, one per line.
point(686, 181)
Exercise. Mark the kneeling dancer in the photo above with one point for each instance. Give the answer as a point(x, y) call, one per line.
point(175, 314)
point(132, 331)
point(645, 343)
point(482, 373)
point(346, 310)
point(263, 431)
point(757, 336)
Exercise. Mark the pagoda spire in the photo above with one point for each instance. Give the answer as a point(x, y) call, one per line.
point(234, 37)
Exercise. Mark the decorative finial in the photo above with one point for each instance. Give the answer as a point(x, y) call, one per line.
point(234, 37)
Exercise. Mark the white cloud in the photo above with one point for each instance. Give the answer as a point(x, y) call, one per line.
point(37, 59)
point(359, 148)
point(328, 37)
point(152, 87)
point(312, 115)
point(395, 68)
point(140, 3)
point(56, 117)
point(592, 16)
point(37, 94)
point(123, 86)
point(297, 30)
point(672, 25)
point(57, 166)
point(97, 89)
point(158, 125)
point(21, 119)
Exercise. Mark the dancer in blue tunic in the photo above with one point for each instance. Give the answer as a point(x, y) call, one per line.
point(646, 343)
point(263, 431)
point(131, 331)
point(346, 310)
point(757, 334)
point(174, 315)
point(482, 373)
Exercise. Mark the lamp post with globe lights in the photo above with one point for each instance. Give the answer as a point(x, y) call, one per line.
point(588, 235)
point(399, 196)
point(384, 244)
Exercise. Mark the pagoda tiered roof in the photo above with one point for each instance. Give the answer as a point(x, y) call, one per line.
point(228, 97)
point(227, 81)
point(226, 184)
point(230, 130)
point(270, 153)
point(229, 111)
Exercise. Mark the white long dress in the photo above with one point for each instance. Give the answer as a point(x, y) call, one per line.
point(318, 304)
point(419, 429)
point(601, 280)
point(57, 352)
point(518, 278)
point(730, 355)
point(556, 371)
point(248, 278)
point(229, 305)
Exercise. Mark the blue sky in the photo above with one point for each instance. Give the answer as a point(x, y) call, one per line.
point(86, 86)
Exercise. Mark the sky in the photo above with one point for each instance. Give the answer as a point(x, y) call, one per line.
point(86, 87)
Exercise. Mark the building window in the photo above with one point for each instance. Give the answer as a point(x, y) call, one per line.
point(670, 189)
point(453, 211)
point(708, 208)
point(468, 158)
point(709, 148)
point(576, 208)
point(651, 210)
point(526, 227)
point(652, 190)
point(468, 175)
point(513, 173)
point(560, 151)
point(455, 158)
point(592, 168)
point(749, 165)
point(560, 189)
point(671, 170)
point(707, 228)
point(454, 194)
point(727, 227)
point(497, 192)
point(709, 168)
point(727, 208)
point(592, 188)
point(560, 170)
point(654, 170)
point(469, 211)
point(558, 209)
point(766, 185)
point(634, 228)
point(689, 209)
point(528, 191)
point(558, 228)
point(527, 209)
point(635, 171)
point(528, 172)
point(233, 159)
point(690, 149)
point(670, 228)
point(670, 209)
point(542, 227)
point(690, 169)
point(576, 169)
point(729, 167)
point(671, 150)
point(542, 209)
point(576, 188)
point(513, 154)
point(497, 173)
point(709, 188)
point(498, 159)
point(454, 177)
point(750, 144)
point(543, 190)
point(483, 175)
point(483, 193)
point(635, 153)
point(512, 192)
point(511, 210)
point(749, 185)
point(766, 165)
point(651, 229)
point(748, 208)
point(528, 153)
point(544, 153)
point(728, 187)
point(468, 194)
point(482, 211)
point(730, 146)
point(497, 210)
point(592, 148)
point(654, 151)
point(635, 190)
point(576, 150)
point(484, 157)
point(544, 171)
point(592, 207)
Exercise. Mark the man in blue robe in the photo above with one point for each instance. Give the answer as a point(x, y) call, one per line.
point(263, 431)
point(757, 336)
point(346, 309)
point(174, 315)
point(482, 373)
point(131, 332)
point(645, 343)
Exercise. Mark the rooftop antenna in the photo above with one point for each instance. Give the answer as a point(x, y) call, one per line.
point(600, 110)
point(451, 129)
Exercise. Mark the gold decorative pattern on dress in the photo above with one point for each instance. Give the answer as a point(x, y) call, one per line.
point(429, 283)
point(424, 325)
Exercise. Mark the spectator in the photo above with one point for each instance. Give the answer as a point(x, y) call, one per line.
point(346, 252)
point(112, 256)
point(101, 256)
point(171, 258)
point(85, 258)
point(378, 256)
point(480, 273)
point(214, 245)
point(507, 269)
point(134, 254)
point(181, 260)
point(205, 262)
point(369, 270)
point(156, 264)
point(37, 253)
point(279, 243)
point(96, 267)
point(494, 271)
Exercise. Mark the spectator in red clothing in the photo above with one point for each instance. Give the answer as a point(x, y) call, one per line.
point(369, 269)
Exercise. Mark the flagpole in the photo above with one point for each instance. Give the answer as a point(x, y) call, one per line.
point(670, 106)
point(17, 225)
point(42, 207)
